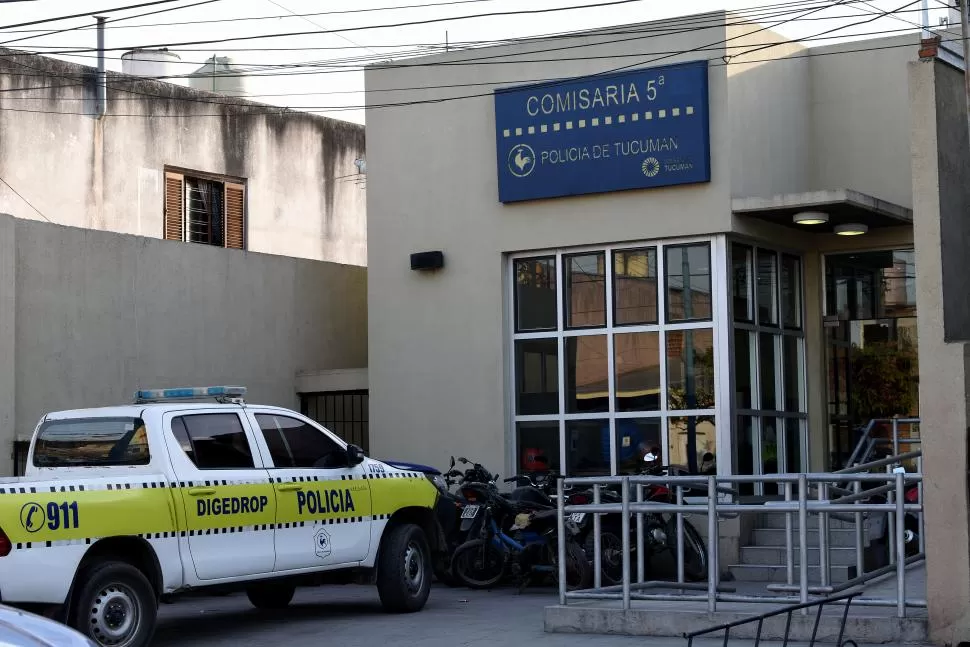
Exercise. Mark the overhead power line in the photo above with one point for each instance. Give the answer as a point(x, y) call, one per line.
point(26, 201)
point(86, 14)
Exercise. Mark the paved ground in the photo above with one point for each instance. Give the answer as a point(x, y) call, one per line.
point(351, 616)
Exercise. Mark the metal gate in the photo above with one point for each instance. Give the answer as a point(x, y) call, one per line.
point(345, 413)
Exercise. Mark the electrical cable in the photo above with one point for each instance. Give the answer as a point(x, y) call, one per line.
point(86, 14)
point(26, 201)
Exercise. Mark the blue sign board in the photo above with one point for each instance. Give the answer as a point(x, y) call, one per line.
point(633, 130)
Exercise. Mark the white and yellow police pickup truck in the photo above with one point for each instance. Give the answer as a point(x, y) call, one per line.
point(123, 507)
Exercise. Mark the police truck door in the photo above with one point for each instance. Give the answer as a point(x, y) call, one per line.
point(323, 504)
point(228, 501)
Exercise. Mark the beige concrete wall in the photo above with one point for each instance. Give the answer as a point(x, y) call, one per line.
point(940, 163)
point(438, 342)
point(99, 315)
point(769, 111)
point(860, 114)
point(302, 199)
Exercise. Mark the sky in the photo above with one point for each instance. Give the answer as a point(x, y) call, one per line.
point(360, 31)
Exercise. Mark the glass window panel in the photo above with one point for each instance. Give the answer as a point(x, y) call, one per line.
point(690, 369)
point(587, 374)
point(538, 446)
point(744, 447)
point(767, 288)
point(535, 294)
point(637, 367)
point(741, 262)
point(588, 447)
point(585, 290)
point(793, 445)
point(791, 291)
point(769, 451)
point(635, 286)
point(635, 437)
point(793, 373)
point(742, 369)
point(536, 376)
point(688, 281)
point(769, 399)
point(93, 442)
point(692, 443)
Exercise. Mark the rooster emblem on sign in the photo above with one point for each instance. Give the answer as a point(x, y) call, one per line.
point(522, 160)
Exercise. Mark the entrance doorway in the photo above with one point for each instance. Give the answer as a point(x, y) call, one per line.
point(870, 329)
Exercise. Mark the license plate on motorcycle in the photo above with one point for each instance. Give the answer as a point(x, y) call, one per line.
point(469, 512)
point(577, 517)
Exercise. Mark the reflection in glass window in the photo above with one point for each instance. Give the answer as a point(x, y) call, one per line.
point(688, 282)
point(588, 447)
point(295, 444)
point(587, 374)
point(767, 288)
point(90, 442)
point(536, 376)
point(538, 446)
point(742, 368)
point(635, 437)
point(585, 290)
point(793, 370)
point(741, 261)
point(637, 364)
point(635, 286)
point(692, 443)
point(690, 369)
point(769, 397)
point(769, 451)
point(744, 451)
point(871, 285)
point(793, 445)
point(535, 294)
point(218, 441)
point(791, 291)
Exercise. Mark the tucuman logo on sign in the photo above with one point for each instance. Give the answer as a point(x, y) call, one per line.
point(633, 130)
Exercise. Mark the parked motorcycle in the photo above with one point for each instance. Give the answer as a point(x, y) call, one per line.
point(517, 539)
point(660, 528)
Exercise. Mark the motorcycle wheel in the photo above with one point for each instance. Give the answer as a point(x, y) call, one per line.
point(611, 556)
point(579, 572)
point(478, 564)
point(695, 552)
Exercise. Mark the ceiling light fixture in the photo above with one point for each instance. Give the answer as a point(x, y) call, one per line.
point(851, 229)
point(810, 218)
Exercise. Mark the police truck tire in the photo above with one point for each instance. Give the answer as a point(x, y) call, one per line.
point(270, 596)
point(404, 569)
point(115, 605)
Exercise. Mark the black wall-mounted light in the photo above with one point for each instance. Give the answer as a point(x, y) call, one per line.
point(427, 261)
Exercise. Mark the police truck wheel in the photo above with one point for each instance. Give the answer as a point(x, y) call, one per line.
point(404, 569)
point(116, 606)
point(270, 596)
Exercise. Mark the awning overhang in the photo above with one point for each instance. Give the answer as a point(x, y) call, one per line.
point(842, 206)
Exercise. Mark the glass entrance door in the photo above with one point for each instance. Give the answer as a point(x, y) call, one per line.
point(870, 324)
point(771, 420)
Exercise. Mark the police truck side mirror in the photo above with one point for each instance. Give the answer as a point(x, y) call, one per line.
point(355, 455)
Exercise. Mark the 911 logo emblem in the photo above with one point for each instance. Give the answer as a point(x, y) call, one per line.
point(321, 541)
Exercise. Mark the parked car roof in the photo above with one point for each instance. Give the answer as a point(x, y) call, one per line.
point(22, 629)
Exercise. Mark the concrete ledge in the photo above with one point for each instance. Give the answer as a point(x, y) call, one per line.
point(668, 622)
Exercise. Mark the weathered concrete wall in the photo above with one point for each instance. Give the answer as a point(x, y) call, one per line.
point(79, 171)
point(940, 164)
point(860, 117)
point(100, 314)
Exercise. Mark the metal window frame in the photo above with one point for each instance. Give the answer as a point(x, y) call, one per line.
point(719, 311)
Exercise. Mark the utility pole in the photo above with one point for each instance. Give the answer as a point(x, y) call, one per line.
point(102, 74)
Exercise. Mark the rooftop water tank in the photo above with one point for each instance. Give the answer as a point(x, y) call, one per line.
point(220, 75)
point(152, 63)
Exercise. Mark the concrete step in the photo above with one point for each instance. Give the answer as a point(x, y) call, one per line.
point(838, 538)
point(779, 574)
point(775, 556)
point(777, 521)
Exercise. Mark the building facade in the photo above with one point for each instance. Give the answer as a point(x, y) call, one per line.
point(166, 161)
point(701, 241)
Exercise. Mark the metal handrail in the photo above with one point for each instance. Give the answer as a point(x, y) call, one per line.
point(863, 449)
point(854, 507)
point(845, 599)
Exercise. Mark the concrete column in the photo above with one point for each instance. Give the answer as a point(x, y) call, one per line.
point(939, 154)
point(8, 333)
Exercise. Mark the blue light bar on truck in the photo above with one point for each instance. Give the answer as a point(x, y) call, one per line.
point(191, 393)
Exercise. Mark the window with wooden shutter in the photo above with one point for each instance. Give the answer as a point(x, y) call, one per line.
point(235, 216)
point(174, 206)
